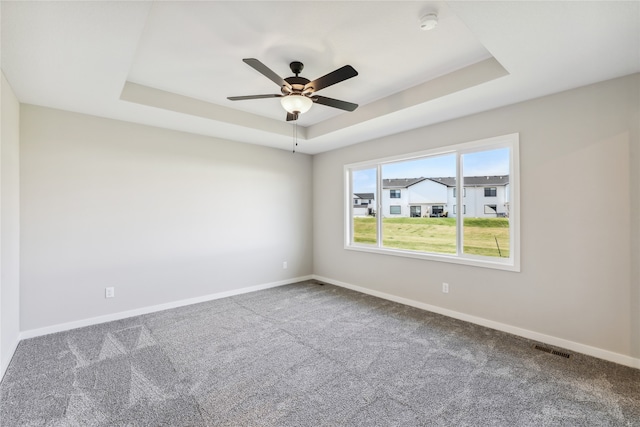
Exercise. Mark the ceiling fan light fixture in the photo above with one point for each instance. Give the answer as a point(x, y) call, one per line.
point(296, 103)
point(298, 93)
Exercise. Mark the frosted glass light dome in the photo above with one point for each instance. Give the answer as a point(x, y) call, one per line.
point(295, 103)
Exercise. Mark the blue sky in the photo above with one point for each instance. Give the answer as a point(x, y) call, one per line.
point(493, 162)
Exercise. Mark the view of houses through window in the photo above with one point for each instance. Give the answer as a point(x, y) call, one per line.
point(364, 206)
point(420, 223)
point(411, 204)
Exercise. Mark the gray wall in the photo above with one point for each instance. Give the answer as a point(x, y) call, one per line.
point(579, 220)
point(160, 215)
point(9, 224)
point(165, 216)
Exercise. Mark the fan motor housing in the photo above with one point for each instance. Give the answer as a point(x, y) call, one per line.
point(297, 84)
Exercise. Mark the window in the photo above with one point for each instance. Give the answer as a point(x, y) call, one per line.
point(464, 209)
point(485, 235)
point(490, 191)
point(455, 191)
point(363, 225)
point(490, 209)
point(355, 202)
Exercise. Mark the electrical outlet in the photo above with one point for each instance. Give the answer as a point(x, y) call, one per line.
point(109, 292)
point(284, 265)
point(445, 288)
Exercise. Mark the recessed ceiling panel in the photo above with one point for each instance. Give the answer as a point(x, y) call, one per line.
point(183, 59)
point(195, 49)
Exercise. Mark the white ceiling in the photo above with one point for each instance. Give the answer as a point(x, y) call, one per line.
point(173, 64)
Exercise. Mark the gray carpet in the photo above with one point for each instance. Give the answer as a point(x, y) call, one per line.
point(307, 355)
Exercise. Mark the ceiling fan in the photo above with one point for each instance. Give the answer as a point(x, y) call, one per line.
point(298, 93)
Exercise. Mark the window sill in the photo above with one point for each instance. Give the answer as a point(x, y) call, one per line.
point(507, 264)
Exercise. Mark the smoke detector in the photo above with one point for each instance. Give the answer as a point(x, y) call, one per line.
point(428, 22)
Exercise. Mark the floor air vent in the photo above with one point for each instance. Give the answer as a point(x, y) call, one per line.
point(552, 351)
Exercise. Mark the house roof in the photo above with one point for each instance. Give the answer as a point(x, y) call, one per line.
point(469, 181)
point(481, 181)
point(400, 182)
point(448, 181)
point(364, 195)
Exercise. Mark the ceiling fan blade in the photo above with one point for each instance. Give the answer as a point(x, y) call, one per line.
point(266, 71)
point(335, 103)
point(292, 116)
point(332, 78)
point(241, 98)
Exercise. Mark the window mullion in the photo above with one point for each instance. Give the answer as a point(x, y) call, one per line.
point(379, 204)
point(459, 203)
point(350, 224)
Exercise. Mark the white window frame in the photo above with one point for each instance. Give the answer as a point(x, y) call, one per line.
point(512, 263)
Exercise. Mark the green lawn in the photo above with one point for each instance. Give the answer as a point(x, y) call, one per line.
point(437, 234)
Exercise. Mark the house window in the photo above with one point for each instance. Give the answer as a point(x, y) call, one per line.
point(355, 202)
point(437, 210)
point(464, 209)
point(491, 209)
point(455, 191)
point(490, 191)
point(486, 235)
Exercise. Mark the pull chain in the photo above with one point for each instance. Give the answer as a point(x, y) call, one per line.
point(295, 135)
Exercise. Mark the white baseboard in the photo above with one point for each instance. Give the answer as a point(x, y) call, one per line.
point(61, 327)
point(5, 363)
point(525, 333)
